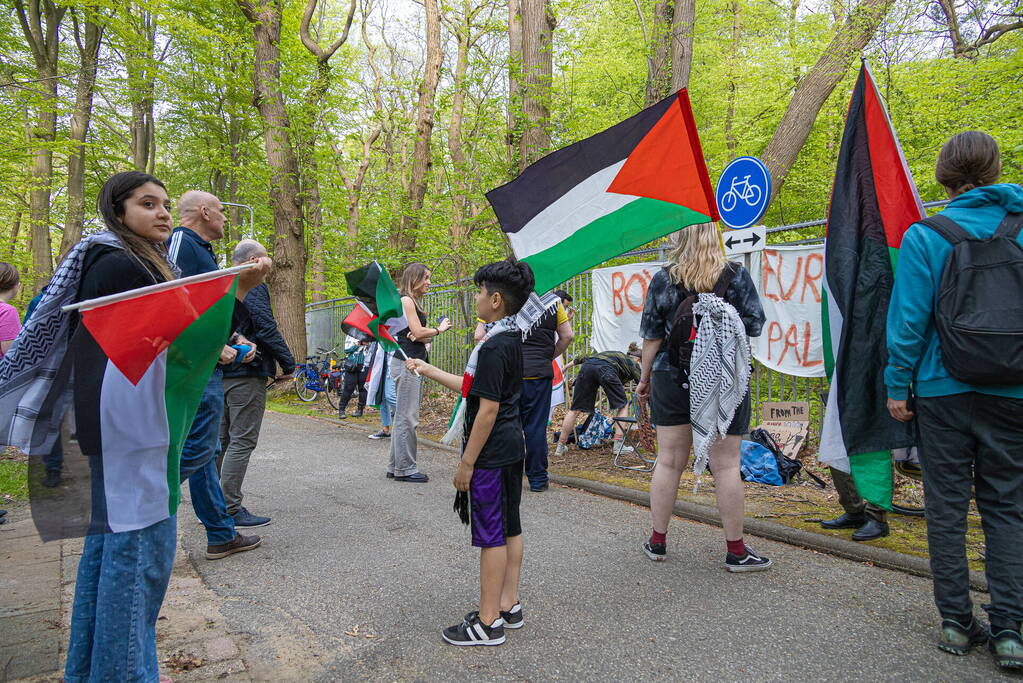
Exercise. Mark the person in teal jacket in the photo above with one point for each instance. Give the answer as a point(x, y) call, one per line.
point(970, 436)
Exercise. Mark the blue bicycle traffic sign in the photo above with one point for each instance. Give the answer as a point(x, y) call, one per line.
point(744, 189)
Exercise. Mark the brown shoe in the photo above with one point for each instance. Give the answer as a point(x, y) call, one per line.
point(239, 544)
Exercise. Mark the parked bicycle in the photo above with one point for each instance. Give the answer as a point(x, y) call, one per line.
point(320, 374)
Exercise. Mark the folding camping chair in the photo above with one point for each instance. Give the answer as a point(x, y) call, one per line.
point(633, 427)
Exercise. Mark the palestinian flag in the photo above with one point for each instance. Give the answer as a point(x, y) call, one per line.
point(151, 351)
point(378, 312)
point(873, 203)
point(602, 196)
point(557, 388)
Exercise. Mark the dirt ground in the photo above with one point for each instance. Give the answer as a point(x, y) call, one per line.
point(801, 504)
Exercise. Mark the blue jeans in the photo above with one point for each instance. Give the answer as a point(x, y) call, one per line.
point(54, 460)
point(535, 411)
point(199, 464)
point(390, 403)
point(122, 580)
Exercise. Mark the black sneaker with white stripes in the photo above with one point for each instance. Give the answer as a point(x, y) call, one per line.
point(750, 563)
point(655, 551)
point(472, 631)
point(513, 617)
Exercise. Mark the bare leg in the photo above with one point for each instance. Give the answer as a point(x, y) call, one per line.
point(673, 446)
point(510, 592)
point(493, 567)
point(728, 488)
point(568, 425)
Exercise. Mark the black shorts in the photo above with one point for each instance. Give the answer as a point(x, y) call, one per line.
point(593, 376)
point(669, 404)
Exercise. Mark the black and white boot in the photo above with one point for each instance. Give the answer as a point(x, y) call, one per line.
point(472, 631)
point(750, 563)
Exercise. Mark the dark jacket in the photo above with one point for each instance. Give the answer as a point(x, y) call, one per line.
point(261, 327)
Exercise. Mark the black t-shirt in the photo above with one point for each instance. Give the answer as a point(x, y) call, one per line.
point(538, 348)
point(413, 349)
point(499, 378)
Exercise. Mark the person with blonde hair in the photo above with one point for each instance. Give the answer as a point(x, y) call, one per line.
point(680, 315)
point(408, 386)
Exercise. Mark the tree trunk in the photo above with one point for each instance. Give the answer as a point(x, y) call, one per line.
point(12, 243)
point(657, 77)
point(537, 68)
point(288, 275)
point(140, 66)
point(85, 88)
point(514, 81)
point(815, 88)
point(730, 140)
point(683, 24)
point(425, 112)
point(40, 24)
point(459, 231)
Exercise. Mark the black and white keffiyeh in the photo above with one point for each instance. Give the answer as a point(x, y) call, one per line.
point(719, 373)
point(533, 310)
point(35, 382)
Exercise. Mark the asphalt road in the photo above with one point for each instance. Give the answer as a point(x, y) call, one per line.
point(358, 574)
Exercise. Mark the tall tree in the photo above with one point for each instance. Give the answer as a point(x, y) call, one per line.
point(425, 115)
point(87, 38)
point(815, 88)
point(683, 26)
point(288, 275)
point(514, 133)
point(659, 44)
point(141, 62)
point(537, 69)
point(40, 22)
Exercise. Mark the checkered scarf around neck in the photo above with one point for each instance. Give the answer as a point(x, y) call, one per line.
point(533, 310)
point(719, 374)
point(35, 382)
point(456, 430)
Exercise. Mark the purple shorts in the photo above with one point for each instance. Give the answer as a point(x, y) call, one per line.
point(494, 497)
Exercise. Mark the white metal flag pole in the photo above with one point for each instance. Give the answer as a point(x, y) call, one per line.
point(159, 287)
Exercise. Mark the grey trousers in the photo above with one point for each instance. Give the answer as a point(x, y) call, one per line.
point(974, 440)
point(849, 497)
point(408, 389)
point(244, 404)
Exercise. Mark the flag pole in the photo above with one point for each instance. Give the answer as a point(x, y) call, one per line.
point(150, 289)
point(402, 352)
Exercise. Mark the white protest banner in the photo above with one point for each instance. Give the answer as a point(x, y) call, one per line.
point(789, 282)
point(618, 296)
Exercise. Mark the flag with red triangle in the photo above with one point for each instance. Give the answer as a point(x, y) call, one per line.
point(600, 197)
point(364, 325)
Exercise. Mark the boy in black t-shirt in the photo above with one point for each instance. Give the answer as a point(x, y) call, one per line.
point(493, 450)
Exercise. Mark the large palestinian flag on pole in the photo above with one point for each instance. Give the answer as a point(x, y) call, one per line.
point(600, 197)
point(378, 313)
point(151, 352)
point(873, 203)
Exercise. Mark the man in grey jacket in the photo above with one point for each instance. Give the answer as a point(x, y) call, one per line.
point(245, 391)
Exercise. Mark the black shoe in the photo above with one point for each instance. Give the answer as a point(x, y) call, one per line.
point(390, 475)
point(239, 544)
point(655, 551)
point(246, 520)
point(472, 631)
point(357, 413)
point(380, 435)
point(1006, 647)
point(846, 521)
point(3, 512)
point(538, 489)
point(52, 479)
point(750, 563)
point(417, 478)
point(870, 530)
point(957, 639)
point(513, 617)
point(342, 416)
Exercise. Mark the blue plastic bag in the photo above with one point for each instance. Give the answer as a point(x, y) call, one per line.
point(758, 464)
point(597, 433)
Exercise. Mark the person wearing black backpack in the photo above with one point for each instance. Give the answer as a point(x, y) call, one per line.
point(669, 329)
point(955, 342)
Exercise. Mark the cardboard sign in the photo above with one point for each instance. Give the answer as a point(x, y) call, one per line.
point(788, 423)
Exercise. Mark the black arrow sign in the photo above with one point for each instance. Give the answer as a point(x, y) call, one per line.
point(731, 242)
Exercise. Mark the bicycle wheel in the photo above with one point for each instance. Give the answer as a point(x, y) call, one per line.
point(331, 390)
point(754, 195)
point(304, 392)
point(728, 201)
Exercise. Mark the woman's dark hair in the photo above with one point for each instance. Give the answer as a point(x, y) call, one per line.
point(9, 278)
point(563, 295)
point(512, 279)
point(118, 188)
point(967, 161)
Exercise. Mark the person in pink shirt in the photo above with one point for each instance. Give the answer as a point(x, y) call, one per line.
point(10, 321)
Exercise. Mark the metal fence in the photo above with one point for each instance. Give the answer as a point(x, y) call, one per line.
point(450, 350)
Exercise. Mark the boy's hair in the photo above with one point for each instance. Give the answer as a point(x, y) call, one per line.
point(512, 279)
point(563, 295)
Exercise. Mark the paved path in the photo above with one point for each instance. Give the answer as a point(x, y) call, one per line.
point(358, 574)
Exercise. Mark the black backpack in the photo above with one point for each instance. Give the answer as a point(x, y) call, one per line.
point(979, 313)
point(680, 348)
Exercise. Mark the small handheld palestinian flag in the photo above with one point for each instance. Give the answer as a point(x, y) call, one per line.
point(151, 351)
point(378, 313)
point(600, 197)
point(873, 203)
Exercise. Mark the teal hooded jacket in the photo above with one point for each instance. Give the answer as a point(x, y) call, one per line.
point(914, 351)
